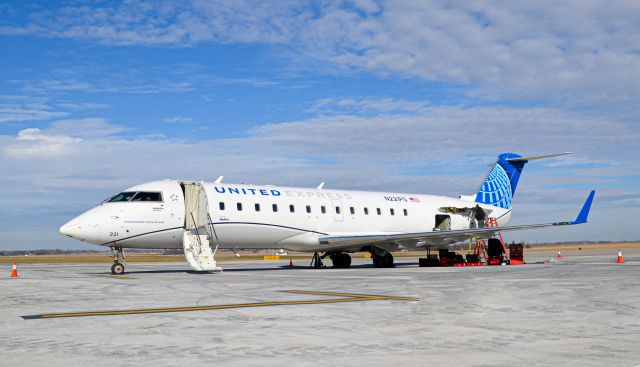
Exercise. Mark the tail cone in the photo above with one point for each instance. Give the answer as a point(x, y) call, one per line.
point(620, 259)
point(14, 271)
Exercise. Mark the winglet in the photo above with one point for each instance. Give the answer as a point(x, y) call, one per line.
point(584, 213)
point(218, 180)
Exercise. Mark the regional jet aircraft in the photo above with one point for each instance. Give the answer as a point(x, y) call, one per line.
point(197, 216)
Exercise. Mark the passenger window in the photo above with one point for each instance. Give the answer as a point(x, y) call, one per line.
point(392, 211)
point(352, 210)
point(405, 212)
point(308, 208)
point(123, 196)
point(239, 206)
point(366, 211)
point(323, 209)
point(379, 211)
point(148, 196)
point(221, 205)
point(292, 208)
point(257, 207)
point(337, 210)
point(275, 208)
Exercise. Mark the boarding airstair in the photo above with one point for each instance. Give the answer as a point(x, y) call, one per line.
point(199, 232)
point(197, 250)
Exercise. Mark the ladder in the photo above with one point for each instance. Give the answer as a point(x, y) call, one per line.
point(491, 223)
point(480, 247)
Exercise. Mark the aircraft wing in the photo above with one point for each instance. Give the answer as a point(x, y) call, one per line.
point(444, 237)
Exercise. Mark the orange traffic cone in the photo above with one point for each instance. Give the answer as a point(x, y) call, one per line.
point(559, 256)
point(14, 271)
point(290, 262)
point(620, 259)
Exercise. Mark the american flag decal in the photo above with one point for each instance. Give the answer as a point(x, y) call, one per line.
point(415, 200)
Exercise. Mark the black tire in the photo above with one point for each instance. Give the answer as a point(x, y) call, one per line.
point(377, 262)
point(117, 269)
point(341, 260)
point(346, 260)
point(387, 260)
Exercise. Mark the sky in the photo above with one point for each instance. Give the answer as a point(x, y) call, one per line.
point(403, 96)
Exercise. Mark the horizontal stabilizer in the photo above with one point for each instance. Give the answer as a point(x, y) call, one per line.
point(536, 157)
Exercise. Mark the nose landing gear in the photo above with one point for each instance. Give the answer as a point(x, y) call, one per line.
point(117, 254)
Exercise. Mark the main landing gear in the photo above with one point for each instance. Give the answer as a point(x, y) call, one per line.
point(340, 260)
point(117, 254)
point(382, 259)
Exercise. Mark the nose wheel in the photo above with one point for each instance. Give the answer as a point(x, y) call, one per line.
point(117, 254)
point(117, 269)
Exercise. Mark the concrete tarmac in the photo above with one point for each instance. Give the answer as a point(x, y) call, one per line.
point(582, 310)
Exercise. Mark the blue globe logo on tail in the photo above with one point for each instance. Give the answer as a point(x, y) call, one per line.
point(500, 185)
point(496, 190)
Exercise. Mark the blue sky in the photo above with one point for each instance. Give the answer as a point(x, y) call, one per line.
point(399, 96)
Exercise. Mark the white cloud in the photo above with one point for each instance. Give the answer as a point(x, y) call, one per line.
point(449, 131)
point(579, 53)
point(62, 139)
point(404, 148)
point(84, 106)
point(178, 120)
point(111, 84)
point(23, 108)
point(33, 143)
point(367, 106)
point(87, 127)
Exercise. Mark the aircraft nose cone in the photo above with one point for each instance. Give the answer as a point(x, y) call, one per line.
point(72, 229)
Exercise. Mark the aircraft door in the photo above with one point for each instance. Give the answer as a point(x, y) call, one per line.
point(338, 210)
point(196, 206)
point(443, 222)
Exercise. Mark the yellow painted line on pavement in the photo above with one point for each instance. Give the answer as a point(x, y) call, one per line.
point(345, 297)
point(358, 295)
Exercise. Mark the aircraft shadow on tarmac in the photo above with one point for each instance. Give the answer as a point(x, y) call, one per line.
point(277, 268)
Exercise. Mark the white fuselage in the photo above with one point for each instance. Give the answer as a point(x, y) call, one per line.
point(255, 216)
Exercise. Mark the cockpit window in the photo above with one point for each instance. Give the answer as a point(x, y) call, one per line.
point(147, 196)
point(136, 196)
point(123, 196)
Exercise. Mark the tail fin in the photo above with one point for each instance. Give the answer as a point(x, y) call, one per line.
point(500, 184)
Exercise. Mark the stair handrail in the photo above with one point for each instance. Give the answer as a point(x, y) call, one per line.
point(213, 229)
point(197, 233)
